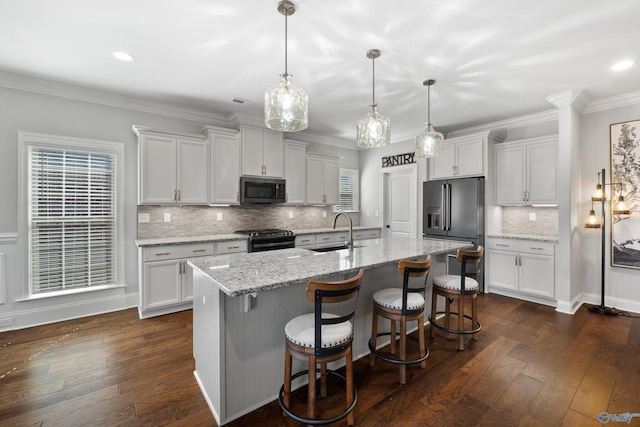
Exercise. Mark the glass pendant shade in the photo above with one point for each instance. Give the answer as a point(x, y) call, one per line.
point(592, 221)
point(373, 130)
point(620, 207)
point(286, 107)
point(429, 143)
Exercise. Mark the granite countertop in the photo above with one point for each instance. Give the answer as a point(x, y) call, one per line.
point(190, 239)
point(245, 273)
point(534, 237)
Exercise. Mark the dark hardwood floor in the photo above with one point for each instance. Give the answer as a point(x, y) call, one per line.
point(531, 366)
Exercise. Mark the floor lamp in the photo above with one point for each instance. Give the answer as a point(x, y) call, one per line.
point(594, 222)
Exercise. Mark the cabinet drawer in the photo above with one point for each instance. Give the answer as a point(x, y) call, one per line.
point(331, 238)
point(366, 234)
point(526, 246)
point(159, 253)
point(306, 240)
point(231, 246)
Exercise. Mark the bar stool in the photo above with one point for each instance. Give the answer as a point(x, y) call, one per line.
point(401, 305)
point(463, 287)
point(318, 338)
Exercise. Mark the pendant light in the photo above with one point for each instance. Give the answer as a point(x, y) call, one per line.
point(285, 104)
point(429, 143)
point(373, 129)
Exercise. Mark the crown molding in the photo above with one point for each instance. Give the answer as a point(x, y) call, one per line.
point(78, 93)
point(612, 102)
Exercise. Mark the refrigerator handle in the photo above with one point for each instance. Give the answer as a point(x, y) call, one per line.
point(443, 207)
point(447, 211)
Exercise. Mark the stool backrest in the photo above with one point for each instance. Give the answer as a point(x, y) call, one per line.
point(466, 257)
point(409, 269)
point(322, 292)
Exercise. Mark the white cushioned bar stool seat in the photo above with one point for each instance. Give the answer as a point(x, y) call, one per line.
point(449, 281)
point(401, 305)
point(460, 288)
point(301, 331)
point(318, 338)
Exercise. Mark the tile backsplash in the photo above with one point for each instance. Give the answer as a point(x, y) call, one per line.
point(516, 220)
point(203, 220)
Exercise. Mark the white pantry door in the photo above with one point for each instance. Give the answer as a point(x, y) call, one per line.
point(400, 201)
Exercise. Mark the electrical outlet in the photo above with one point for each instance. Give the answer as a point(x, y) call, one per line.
point(376, 214)
point(219, 216)
point(167, 217)
point(532, 216)
point(144, 218)
point(324, 214)
point(290, 214)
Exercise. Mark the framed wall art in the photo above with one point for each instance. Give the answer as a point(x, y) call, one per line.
point(625, 179)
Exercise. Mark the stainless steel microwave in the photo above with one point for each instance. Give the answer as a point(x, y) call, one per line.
point(262, 190)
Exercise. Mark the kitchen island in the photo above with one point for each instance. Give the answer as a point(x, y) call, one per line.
point(243, 301)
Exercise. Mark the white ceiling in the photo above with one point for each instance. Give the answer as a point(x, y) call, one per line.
point(491, 59)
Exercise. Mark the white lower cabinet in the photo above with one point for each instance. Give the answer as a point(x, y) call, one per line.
point(166, 281)
point(330, 239)
point(522, 268)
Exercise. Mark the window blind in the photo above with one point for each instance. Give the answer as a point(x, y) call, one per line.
point(72, 219)
point(347, 191)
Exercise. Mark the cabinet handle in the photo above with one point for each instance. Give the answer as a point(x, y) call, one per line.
point(163, 254)
point(175, 195)
point(178, 195)
point(502, 245)
point(233, 247)
point(238, 196)
point(536, 249)
point(198, 250)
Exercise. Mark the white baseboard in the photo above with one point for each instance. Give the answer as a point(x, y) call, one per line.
point(20, 319)
point(619, 303)
point(570, 307)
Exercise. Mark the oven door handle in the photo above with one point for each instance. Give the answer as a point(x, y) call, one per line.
point(256, 247)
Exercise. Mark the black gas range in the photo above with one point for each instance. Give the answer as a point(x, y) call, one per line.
point(269, 239)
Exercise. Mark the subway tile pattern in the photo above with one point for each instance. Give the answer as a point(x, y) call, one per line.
point(202, 220)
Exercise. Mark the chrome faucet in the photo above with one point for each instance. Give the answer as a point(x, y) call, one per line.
point(349, 243)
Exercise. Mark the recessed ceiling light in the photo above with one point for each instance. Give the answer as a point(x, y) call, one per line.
point(622, 65)
point(122, 56)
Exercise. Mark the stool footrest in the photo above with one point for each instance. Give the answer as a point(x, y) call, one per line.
point(455, 331)
point(317, 422)
point(395, 360)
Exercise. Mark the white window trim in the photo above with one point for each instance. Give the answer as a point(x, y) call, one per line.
point(27, 140)
point(355, 175)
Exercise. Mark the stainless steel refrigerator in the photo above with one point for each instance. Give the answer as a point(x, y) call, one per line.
point(454, 209)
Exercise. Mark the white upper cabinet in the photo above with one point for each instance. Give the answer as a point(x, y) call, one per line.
point(462, 156)
point(224, 186)
point(172, 168)
point(295, 171)
point(323, 175)
point(526, 171)
point(262, 152)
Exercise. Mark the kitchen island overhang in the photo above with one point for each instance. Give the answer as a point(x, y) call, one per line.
point(242, 302)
